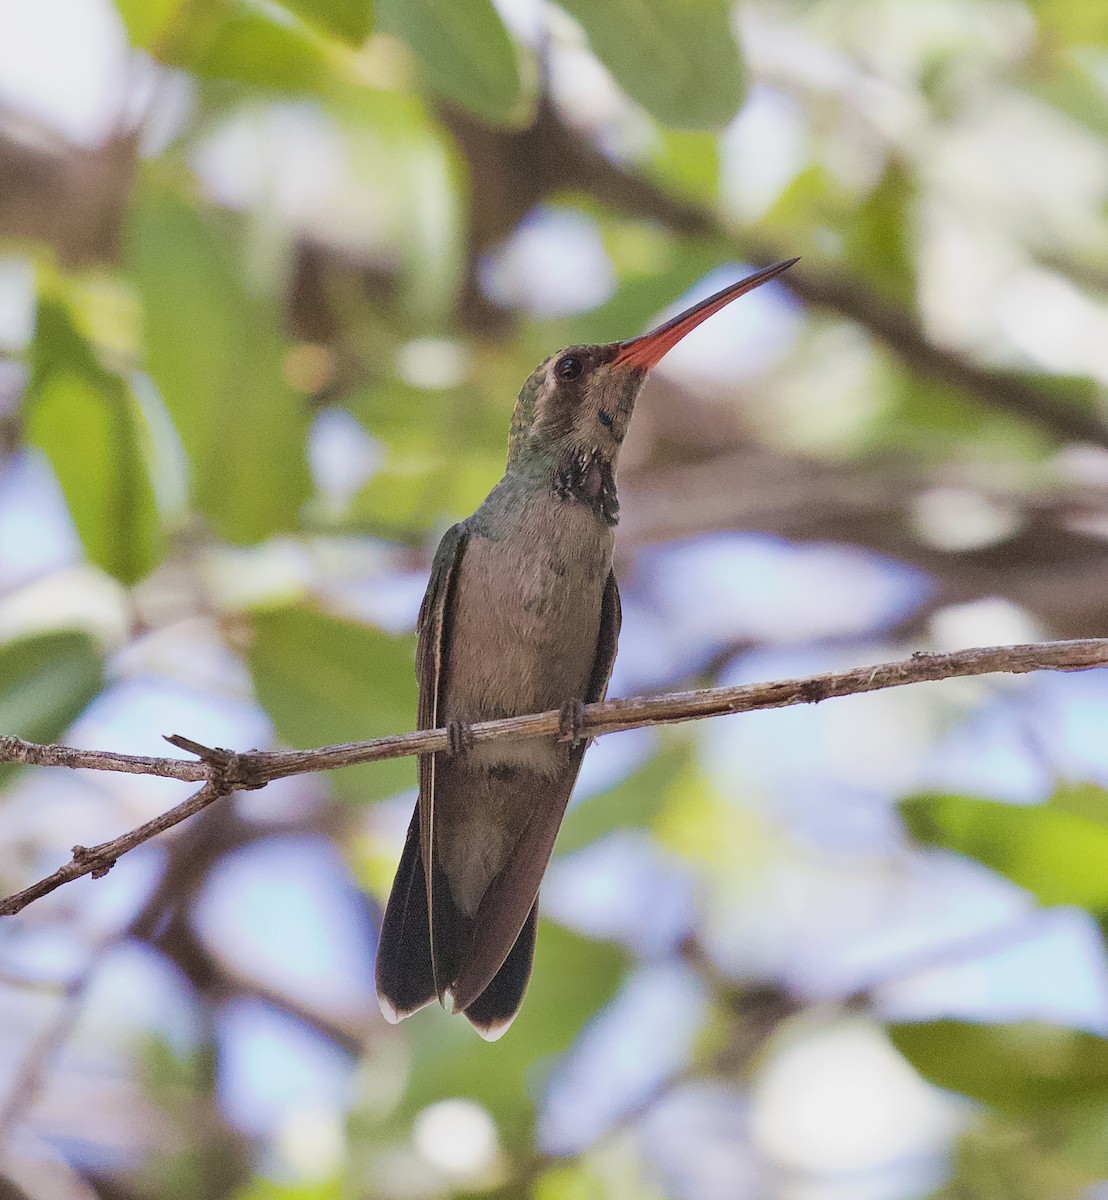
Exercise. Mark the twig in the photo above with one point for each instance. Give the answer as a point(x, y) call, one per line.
point(29, 1078)
point(97, 861)
point(32, 1074)
point(16, 750)
point(225, 771)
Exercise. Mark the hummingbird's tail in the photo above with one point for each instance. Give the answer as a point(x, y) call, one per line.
point(405, 974)
point(496, 1007)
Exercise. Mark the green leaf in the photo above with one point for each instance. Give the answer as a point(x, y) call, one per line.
point(242, 44)
point(216, 354)
point(615, 1167)
point(1080, 1136)
point(879, 237)
point(444, 452)
point(1088, 800)
point(1022, 1066)
point(460, 420)
point(261, 1188)
point(46, 681)
point(1058, 856)
point(90, 427)
point(416, 493)
point(1072, 22)
point(677, 58)
point(323, 679)
point(687, 163)
point(146, 20)
point(573, 977)
point(350, 20)
point(263, 46)
point(1071, 87)
point(929, 417)
point(634, 802)
point(465, 50)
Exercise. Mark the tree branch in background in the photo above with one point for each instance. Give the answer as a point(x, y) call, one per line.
point(159, 917)
point(514, 170)
point(29, 1076)
point(225, 771)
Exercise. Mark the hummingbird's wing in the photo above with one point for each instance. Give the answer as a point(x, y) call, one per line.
point(611, 617)
point(433, 629)
point(490, 987)
point(405, 968)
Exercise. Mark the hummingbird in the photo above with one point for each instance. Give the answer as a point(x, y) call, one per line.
point(521, 615)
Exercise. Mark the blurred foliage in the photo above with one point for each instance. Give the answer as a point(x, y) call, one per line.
point(325, 680)
point(215, 353)
point(282, 361)
point(575, 978)
point(464, 49)
point(1058, 854)
point(1020, 1066)
point(678, 60)
point(45, 682)
point(89, 425)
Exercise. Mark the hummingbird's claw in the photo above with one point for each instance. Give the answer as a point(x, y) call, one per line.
point(459, 737)
point(572, 723)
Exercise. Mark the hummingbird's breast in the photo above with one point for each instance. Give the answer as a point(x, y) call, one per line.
point(525, 619)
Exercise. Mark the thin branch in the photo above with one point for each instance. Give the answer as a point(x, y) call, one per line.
point(225, 771)
point(31, 1074)
point(16, 750)
point(98, 860)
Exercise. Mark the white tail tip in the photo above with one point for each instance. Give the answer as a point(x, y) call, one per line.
point(497, 1030)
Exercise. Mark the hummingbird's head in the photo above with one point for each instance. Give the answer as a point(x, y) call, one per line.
point(575, 400)
point(577, 405)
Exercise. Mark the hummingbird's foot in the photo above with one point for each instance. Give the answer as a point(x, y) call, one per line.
point(572, 723)
point(459, 738)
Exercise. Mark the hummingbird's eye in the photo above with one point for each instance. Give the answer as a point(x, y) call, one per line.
point(569, 367)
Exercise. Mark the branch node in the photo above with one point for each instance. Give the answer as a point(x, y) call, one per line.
point(812, 691)
point(228, 771)
point(12, 749)
point(237, 773)
point(83, 856)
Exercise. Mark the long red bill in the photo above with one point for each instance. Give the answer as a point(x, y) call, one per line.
point(648, 349)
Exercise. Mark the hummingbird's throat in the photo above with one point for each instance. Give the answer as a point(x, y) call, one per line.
point(586, 476)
